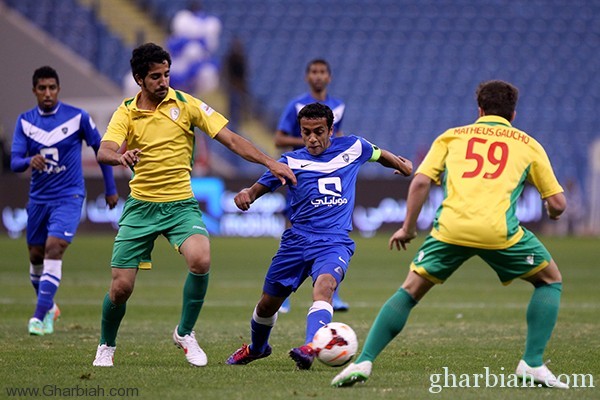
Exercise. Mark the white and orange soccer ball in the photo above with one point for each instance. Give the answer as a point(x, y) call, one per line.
point(335, 344)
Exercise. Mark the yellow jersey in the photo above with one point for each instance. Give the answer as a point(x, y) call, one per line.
point(482, 168)
point(166, 138)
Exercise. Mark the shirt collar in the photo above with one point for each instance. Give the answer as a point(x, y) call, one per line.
point(494, 119)
point(51, 112)
point(171, 95)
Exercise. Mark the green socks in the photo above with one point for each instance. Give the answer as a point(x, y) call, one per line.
point(388, 324)
point(112, 315)
point(541, 318)
point(194, 292)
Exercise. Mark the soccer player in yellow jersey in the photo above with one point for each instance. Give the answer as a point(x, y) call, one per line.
point(482, 168)
point(157, 126)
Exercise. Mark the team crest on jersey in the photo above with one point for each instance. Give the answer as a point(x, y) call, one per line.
point(174, 111)
point(345, 157)
point(530, 259)
point(65, 130)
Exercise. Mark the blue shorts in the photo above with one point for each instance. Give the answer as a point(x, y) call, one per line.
point(303, 254)
point(58, 218)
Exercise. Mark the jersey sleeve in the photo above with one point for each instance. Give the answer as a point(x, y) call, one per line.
point(269, 180)
point(370, 150)
point(19, 161)
point(118, 127)
point(204, 117)
point(541, 174)
point(90, 132)
point(288, 120)
point(434, 163)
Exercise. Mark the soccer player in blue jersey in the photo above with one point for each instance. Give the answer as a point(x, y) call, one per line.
point(318, 243)
point(48, 138)
point(287, 135)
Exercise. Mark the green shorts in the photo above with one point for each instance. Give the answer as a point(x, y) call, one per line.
point(142, 222)
point(436, 261)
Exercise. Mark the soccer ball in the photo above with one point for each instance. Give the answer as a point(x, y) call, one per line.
point(335, 344)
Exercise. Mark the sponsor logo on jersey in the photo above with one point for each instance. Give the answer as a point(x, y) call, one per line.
point(339, 271)
point(421, 256)
point(207, 110)
point(345, 157)
point(65, 130)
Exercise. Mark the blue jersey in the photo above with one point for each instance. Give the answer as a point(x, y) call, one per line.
point(288, 122)
point(57, 135)
point(323, 199)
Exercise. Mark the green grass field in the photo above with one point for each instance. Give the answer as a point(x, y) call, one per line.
point(467, 324)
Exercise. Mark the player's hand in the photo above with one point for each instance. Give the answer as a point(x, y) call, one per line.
point(112, 200)
point(243, 200)
point(130, 158)
point(551, 215)
point(406, 166)
point(38, 162)
point(282, 172)
point(401, 238)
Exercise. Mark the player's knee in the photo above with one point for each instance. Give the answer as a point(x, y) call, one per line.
point(199, 265)
point(120, 291)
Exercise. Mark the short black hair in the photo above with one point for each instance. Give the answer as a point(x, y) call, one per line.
point(144, 55)
point(497, 98)
point(44, 72)
point(317, 111)
point(318, 61)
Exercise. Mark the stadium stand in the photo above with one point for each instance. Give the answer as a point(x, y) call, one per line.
point(77, 27)
point(407, 69)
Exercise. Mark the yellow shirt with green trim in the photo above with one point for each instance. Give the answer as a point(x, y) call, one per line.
point(166, 138)
point(483, 168)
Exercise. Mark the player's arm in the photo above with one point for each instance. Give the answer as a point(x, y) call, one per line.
point(401, 165)
point(555, 205)
point(247, 196)
point(93, 138)
point(108, 153)
point(19, 159)
point(417, 195)
point(282, 139)
point(249, 152)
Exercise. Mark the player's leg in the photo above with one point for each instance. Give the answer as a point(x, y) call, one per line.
point(542, 314)
point(319, 314)
point(285, 274)
point(36, 266)
point(113, 311)
point(528, 259)
point(339, 305)
point(434, 262)
point(263, 320)
point(186, 231)
point(37, 233)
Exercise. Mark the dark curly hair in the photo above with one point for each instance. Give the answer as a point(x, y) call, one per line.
point(316, 111)
point(497, 98)
point(143, 56)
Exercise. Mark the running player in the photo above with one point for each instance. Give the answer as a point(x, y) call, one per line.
point(48, 138)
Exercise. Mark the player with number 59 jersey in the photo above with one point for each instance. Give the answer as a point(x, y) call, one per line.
point(489, 160)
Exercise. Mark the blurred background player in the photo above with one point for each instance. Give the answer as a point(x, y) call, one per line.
point(159, 121)
point(288, 136)
point(193, 44)
point(48, 138)
point(484, 167)
point(318, 243)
